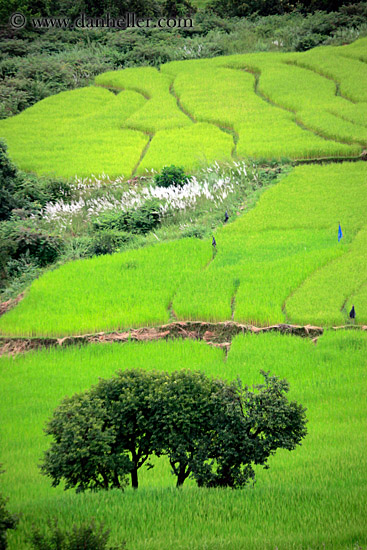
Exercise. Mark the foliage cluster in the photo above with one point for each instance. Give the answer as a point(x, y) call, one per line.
point(34, 65)
point(23, 244)
point(142, 220)
point(87, 536)
point(210, 430)
point(8, 522)
point(171, 175)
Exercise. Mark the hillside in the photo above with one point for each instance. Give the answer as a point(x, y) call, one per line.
point(278, 259)
point(298, 105)
point(280, 262)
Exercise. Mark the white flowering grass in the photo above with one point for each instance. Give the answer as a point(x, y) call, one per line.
point(214, 184)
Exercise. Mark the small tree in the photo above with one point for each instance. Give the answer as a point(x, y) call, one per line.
point(83, 452)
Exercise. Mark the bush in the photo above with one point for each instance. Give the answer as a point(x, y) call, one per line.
point(83, 537)
point(141, 220)
point(22, 238)
point(197, 232)
point(308, 41)
point(7, 521)
point(108, 241)
point(8, 176)
point(171, 175)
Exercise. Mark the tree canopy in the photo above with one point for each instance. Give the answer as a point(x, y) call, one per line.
point(210, 429)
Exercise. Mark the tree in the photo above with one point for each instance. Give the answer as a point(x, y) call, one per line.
point(184, 416)
point(104, 434)
point(83, 452)
point(248, 426)
point(211, 430)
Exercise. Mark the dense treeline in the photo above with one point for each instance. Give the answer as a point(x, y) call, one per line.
point(34, 65)
point(97, 8)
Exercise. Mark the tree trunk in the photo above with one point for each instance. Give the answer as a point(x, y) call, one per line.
point(134, 478)
point(182, 475)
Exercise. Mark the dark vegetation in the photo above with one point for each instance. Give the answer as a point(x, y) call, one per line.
point(8, 522)
point(171, 175)
point(87, 536)
point(36, 64)
point(210, 430)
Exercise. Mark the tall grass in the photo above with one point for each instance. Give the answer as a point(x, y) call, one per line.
point(312, 497)
point(114, 292)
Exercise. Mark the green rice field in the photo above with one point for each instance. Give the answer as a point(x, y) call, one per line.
point(313, 497)
point(297, 105)
point(280, 262)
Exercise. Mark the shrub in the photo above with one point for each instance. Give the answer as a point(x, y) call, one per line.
point(139, 220)
point(308, 41)
point(7, 521)
point(108, 241)
point(86, 536)
point(171, 175)
point(197, 231)
point(22, 238)
point(8, 175)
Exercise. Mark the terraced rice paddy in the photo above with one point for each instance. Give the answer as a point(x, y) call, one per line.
point(313, 497)
point(294, 105)
point(279, 262)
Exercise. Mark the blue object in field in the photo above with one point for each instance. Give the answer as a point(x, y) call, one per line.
point(352, 313)
point(340, 233)
point(214, 243)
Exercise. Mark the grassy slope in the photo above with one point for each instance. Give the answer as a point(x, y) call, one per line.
point(311, 497)
point(304, 105)
point(282, 253)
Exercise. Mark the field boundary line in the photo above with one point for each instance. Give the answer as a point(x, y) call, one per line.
point(218, 335)
point(296, 121)
point(179, 104)
point(119, 89)
point(143, 153)
point(226, 129)
point(302, 65)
